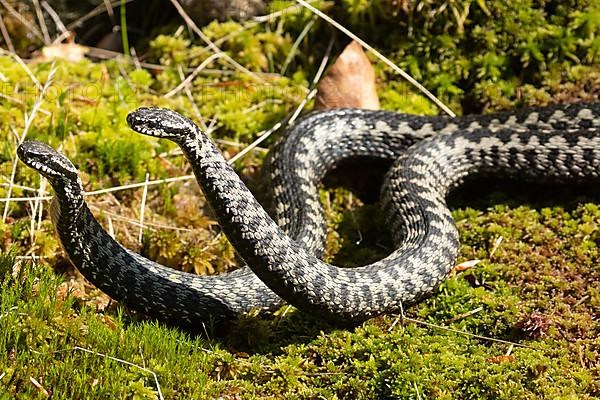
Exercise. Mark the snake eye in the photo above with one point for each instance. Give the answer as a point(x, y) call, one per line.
point(47, 161)
point(161, 123)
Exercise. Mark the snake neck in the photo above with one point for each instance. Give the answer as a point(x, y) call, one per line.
point(227, 195)
point(64, 220)
point(67, 203)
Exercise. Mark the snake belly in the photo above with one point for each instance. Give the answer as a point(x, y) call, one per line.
point(556, 142)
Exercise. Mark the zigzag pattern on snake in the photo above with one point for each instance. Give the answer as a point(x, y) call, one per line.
point(555, 142)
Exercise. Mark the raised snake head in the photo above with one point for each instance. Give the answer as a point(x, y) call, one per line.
point(48, 162)
point(163, 123)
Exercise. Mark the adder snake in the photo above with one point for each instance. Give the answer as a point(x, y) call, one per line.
point(432, 155)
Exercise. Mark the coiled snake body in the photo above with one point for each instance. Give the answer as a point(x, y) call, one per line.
point(557, 142)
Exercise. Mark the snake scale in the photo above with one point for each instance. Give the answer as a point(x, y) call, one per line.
point(431, 156)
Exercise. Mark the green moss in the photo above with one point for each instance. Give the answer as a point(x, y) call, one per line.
point(535, 286)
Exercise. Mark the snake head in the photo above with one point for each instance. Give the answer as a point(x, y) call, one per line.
point(162, 123)
point(47, 161)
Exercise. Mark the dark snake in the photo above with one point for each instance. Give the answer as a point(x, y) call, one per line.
point(432, 155)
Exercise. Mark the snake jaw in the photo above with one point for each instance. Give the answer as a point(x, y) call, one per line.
point(47, 161)
point(162, 123)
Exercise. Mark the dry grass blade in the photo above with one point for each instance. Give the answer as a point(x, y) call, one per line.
point(110, 11)
point(41, 21)
point(134, 58)
point(110, 216)
point(107, 54)
point(160, 395)
point(417, 390)
point(36, 213)
point(22, 199)
point(109, 190)
point(254, 144)
point(39, 387)
point(139, 185)
point(143, 209)
point(383, 58)
point(473, 335)
point(191, 76)
point(497, 244)
point(6, 36)
point(111, 228)
point(31, 257)
point(26, 188)
point(100, 9)
point(188, 93)
point(463, 315)
point(55, 17)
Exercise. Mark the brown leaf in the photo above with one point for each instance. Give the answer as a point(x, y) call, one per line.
point(349, 83)
point(500, 359)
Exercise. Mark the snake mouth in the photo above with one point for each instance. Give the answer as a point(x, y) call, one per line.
point(161, 123)
point(47, 161)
